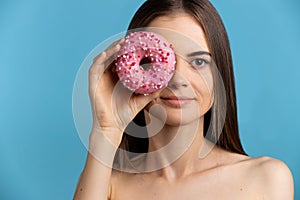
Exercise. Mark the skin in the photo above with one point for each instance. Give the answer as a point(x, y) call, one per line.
point(219, 175)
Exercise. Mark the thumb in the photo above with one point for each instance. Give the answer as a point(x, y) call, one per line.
point(140, 101)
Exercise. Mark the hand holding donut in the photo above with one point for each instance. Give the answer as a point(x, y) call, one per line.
point(102, 81)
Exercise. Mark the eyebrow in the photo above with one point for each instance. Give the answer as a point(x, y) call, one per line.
point(197, 53)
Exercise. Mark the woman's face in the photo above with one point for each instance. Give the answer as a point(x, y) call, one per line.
point(189, 93)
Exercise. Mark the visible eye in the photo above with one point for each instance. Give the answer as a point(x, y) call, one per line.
point(199, 62)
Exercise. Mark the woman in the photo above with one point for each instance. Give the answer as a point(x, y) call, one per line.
point(191, 107)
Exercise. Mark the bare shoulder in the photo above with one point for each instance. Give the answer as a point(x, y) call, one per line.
point(261, 177)
point(271, 175)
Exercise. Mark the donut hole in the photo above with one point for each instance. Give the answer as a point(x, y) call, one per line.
point(145, 63)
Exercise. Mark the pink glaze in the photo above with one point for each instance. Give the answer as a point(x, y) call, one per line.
point(159, 71)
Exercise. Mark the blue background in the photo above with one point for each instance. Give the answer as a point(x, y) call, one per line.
point(43, 43)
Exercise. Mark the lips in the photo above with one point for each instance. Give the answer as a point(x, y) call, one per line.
point(178, 98)
point(177, 101)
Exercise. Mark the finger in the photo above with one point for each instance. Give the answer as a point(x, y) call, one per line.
point(102, 61)
point(108, 48)
point(94, 74)
point(111, 50)
point(111, 55)
point(140, 101)
point(104, 82)
point(95, 68)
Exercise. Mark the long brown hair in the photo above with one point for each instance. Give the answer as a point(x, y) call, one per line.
point(209, 19)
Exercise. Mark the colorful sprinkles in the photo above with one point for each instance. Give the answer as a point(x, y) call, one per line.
point(148, 77)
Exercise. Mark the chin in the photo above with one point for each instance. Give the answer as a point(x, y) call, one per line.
point(173, 121)
point(176, 117)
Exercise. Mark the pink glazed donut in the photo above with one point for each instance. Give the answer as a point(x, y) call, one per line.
point(145, 62)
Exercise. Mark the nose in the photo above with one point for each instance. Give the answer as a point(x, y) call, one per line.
point(178, 80)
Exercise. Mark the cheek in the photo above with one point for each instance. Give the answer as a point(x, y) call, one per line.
point(204, 91)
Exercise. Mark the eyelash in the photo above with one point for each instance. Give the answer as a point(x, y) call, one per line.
point(203, 61)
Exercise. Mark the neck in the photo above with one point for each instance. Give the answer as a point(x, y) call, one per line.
point(174, 150)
